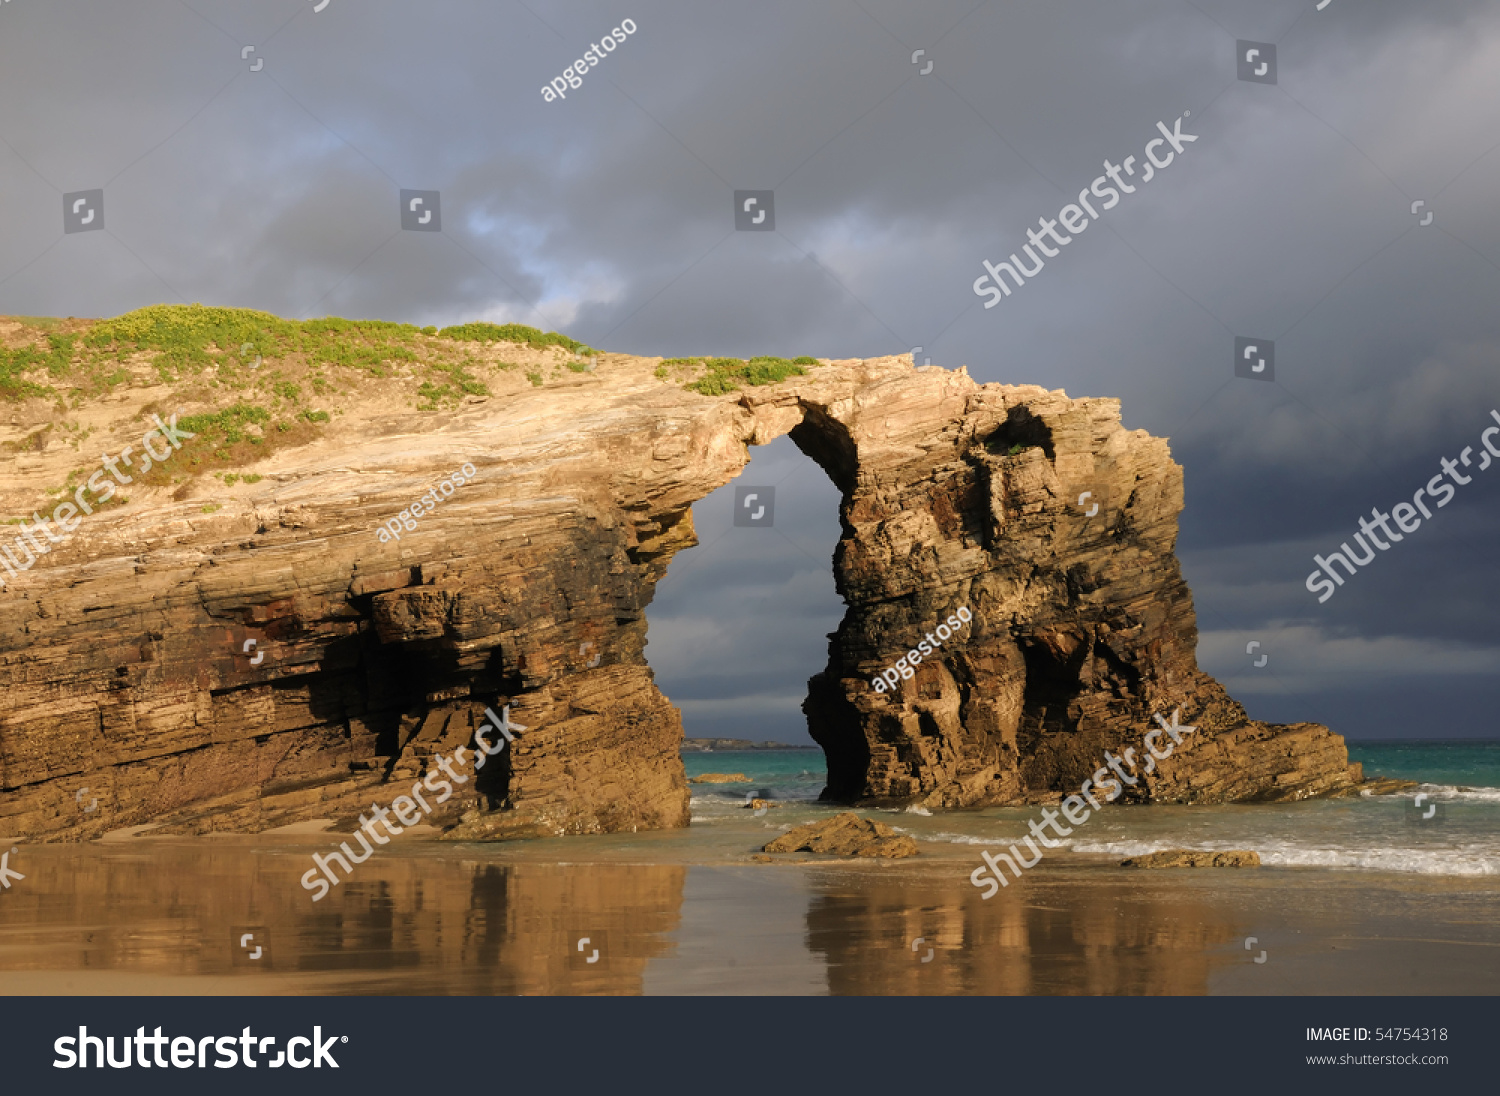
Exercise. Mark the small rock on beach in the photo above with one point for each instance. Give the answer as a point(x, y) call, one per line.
point(1195, 858)
point(846, 834)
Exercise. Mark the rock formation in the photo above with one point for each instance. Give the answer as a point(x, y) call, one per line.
point(1194, 858)
point(126, 683)
point(846, 834)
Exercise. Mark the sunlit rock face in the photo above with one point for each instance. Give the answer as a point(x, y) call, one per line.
point(124, 666)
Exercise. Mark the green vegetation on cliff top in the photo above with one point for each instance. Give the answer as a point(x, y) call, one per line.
point(269, 383)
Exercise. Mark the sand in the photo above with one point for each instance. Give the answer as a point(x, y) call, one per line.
point(658, 916)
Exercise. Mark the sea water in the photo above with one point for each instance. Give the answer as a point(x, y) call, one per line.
point(1453, 830)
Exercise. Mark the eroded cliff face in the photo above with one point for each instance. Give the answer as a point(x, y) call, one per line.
point(1055, 528)
point(123, 669)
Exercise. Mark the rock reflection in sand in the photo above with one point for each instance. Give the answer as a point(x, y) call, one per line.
point(188, 919)
point(1036, 941)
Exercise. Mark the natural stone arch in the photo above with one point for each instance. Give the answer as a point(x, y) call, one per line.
point(953, 493)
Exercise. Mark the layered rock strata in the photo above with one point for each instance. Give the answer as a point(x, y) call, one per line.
point(123, 668)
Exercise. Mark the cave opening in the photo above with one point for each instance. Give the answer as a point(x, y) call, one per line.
point(741, 622)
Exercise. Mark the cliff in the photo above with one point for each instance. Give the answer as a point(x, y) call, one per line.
point(126, 666)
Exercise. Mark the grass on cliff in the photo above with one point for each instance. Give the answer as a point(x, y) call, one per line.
point(266, 383)
point(517, 333)
point(723, 375)
point(248, 383)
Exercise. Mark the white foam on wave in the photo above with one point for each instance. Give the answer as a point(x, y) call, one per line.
point(1465, 860)
point(915, 809)
point(1445, 792)
point(968, 839)
point(1461, 793)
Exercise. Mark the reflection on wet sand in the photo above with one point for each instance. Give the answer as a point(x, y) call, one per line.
point(898, 937)
point(218, 917)
point(424, 922)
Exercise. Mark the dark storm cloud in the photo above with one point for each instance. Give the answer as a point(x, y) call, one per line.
point(609, 214)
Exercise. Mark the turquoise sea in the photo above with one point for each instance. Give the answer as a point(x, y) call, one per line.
point(1454, 830)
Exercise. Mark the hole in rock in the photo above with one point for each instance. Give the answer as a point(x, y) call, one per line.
point(741, 622)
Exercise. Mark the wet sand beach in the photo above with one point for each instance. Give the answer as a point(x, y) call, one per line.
point(598, 916)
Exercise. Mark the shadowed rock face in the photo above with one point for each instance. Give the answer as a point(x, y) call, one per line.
point(121, 653)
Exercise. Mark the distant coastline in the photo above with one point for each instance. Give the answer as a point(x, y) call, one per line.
point(702, 745)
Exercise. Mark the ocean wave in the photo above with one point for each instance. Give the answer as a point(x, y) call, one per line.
point(1468, 860)
point(1461, 793)
point(916, 809)
point(1458, 793)
point(969, 839)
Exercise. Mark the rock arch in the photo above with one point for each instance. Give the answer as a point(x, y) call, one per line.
point(529, 588)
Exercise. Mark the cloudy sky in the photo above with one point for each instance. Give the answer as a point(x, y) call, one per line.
point(609, 214)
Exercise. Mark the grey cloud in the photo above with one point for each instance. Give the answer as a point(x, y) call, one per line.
point(609, 214)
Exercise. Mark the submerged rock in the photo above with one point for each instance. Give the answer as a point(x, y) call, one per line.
point(720, 778)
